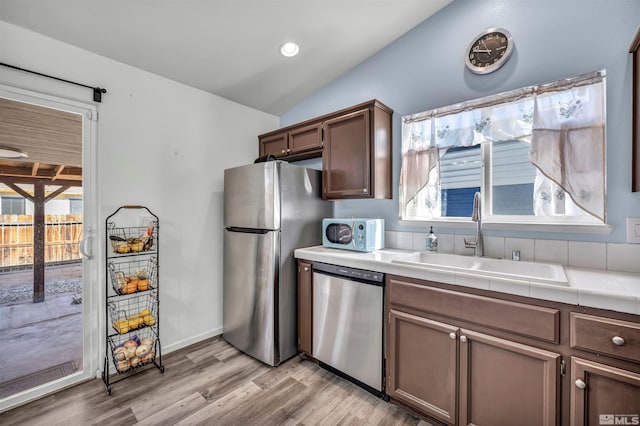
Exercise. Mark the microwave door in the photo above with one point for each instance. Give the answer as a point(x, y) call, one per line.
point(339, 233)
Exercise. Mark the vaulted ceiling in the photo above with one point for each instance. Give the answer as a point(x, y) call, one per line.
point(229, 47)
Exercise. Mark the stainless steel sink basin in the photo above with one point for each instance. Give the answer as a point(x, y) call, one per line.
point(545, 273)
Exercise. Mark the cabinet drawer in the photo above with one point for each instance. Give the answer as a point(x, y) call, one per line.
point(619, 339)
point(518, 318)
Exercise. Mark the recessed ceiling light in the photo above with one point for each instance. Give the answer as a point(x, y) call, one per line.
point(289, 49)
point(10, 153)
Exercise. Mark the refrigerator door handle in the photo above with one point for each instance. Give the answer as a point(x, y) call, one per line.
point(247, 230)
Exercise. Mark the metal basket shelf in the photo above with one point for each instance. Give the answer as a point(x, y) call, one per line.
point(132, 239)
point(131, 290)
point(133, 276)
point(133, 313)
point(126, 360)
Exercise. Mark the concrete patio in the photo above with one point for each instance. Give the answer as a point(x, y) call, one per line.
point(40, 341)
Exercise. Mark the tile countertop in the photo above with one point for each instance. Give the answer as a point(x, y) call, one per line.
point(617, 291)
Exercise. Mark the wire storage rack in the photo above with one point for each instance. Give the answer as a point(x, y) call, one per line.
point(133, 275)
point(132, 303)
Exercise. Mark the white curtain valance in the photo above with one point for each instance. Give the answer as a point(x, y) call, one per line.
point(567, 144)
point(563, 122)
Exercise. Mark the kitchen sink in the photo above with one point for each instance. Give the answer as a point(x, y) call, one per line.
point(546, 273)
point(382, 255)
point(438, 260)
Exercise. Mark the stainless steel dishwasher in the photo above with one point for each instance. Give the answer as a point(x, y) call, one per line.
point(348, 324)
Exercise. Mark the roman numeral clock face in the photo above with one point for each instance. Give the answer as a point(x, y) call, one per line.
point(489, 51)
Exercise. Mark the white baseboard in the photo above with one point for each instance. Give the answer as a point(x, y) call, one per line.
point(191, 340)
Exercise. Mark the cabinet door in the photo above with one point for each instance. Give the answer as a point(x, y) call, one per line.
point(346, 160)
point(305, 138)
point(274, 144)
point(304, 307)
point(603, 395)
point(422, 359)
point(506, 383)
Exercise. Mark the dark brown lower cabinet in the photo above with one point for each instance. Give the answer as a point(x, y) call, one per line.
point(422, 364)
point(444, 358)
point(506, 383)
point(435, 367)
point(305, 305)
point(603, 395)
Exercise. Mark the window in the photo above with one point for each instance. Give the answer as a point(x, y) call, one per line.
point(13, 205)
point(75, 206)
point(536, 154)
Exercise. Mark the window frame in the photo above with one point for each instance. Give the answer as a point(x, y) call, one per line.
point(12, 201)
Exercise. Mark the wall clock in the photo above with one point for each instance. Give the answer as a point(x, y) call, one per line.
point(489, 51)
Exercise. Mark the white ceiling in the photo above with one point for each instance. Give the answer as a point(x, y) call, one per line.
point(229, 47)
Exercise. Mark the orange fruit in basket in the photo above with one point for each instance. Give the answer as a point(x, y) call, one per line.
point(131, 287)
point(143, 285)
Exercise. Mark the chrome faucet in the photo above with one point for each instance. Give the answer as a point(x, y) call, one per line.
point(476, 216)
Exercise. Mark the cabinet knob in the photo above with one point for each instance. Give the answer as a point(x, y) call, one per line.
point(617, 340)
point(306, 268)
point(364, 190)
point(452, 335)
point(463, 339)
point(581, 384)
point(283, 151)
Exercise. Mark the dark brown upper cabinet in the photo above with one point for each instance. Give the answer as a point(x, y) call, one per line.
point(355, 145)
point(356, 162)
point(293, 143)
point(635, 50)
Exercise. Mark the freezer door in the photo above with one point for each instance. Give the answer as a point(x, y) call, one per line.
point(252, 196)
point(249, 293)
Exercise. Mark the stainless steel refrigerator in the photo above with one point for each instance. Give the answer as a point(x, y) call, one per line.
point(270, 209)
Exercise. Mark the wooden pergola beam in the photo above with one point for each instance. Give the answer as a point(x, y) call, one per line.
point(19, 190)
point(55, 193)
point(38, 242)
point(32, 180)
point(58, 172)
point(38, 171)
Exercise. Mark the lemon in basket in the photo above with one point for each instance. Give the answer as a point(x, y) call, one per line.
point(135, 321)
point(121, 326)
point(149, 320)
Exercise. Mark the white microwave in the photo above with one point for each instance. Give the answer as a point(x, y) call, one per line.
point(353, 234)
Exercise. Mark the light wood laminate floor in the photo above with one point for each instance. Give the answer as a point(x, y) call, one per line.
point(212, 383)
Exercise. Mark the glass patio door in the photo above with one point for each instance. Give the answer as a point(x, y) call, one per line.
point(48, 271)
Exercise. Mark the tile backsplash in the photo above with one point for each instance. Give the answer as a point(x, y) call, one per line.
point(605, 256)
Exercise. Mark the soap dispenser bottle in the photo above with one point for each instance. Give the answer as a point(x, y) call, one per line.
point(432, 240)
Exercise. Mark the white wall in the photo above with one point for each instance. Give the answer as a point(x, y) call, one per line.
point(160, 144)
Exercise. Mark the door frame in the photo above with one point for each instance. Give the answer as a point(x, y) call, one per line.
point(92, 343)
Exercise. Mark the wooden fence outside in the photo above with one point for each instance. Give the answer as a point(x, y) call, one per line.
point(62, 239)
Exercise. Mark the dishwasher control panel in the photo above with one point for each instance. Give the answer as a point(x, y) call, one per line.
point(353, 273)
